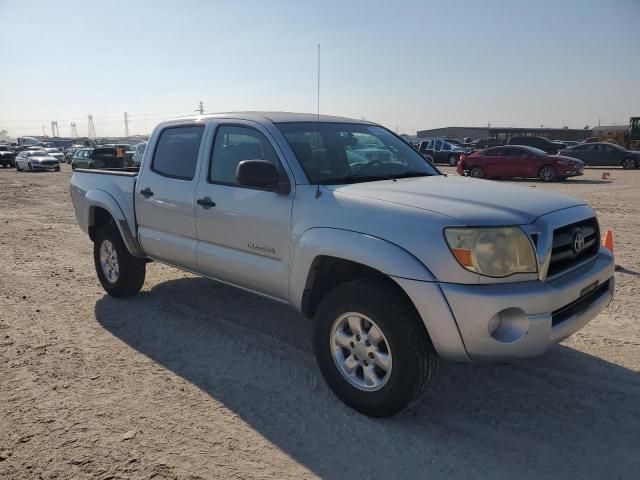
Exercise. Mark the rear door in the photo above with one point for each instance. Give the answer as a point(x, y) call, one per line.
point(164, 196)
point(244, 233)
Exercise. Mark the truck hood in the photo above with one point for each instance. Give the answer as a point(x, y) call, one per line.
point(470, 201)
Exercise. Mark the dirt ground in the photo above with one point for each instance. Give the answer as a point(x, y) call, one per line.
point(193, 379)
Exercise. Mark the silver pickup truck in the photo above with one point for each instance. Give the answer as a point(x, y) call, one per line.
point(397, 265)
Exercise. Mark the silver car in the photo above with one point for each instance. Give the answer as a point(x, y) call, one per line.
point(36, 160)
point(55, 153)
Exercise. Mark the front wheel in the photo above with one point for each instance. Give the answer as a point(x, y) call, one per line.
point(120, 273)
point(372, 348)
point(628, 163)
point(30, 167)
point(476, 172)
point(548, 174)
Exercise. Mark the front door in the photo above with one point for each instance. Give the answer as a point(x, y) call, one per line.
point(243, 233)
point(165, 193)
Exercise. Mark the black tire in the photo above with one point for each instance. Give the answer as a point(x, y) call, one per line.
point(30, 167)
point(476, 172)
point(131, 269)
point(17, 167)
point(453, 161)
point(548, 173)
point(414, 360)
point(629, 163)
point(57, 169)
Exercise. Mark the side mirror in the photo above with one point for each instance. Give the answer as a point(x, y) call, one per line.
point(261, 174)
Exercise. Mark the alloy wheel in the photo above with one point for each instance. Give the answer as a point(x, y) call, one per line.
point(109, 261)
point(361, 351)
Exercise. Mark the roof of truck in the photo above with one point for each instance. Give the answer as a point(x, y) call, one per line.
point(278, 117)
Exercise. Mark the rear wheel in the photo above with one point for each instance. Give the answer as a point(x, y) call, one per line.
point(453, 160)
point(548, 174)
point(629, 163)
point(476, 172)
point(372, 348)
point(120, 273)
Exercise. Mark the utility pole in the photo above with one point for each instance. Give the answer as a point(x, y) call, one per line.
point(126, 125)
point(44, 133)
point(91, 129)
point(74, 131)
point(54, 129)
point(200, 108)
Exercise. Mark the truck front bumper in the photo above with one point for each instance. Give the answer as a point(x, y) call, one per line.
point(506, 321)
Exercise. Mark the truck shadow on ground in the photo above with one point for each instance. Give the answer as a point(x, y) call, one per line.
point(565, 414)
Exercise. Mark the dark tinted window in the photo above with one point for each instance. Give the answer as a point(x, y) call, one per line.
point(494, 152)
point(515, 152)
point(176, 153)
point(234, 144)
point(438, 145)
point(446, 146)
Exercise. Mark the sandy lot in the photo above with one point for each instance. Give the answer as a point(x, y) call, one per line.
point(192, 379)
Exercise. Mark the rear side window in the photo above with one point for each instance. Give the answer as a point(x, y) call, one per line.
point(176, 153)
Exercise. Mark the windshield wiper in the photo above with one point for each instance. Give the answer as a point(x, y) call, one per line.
point(412, 173)
point(354, 178)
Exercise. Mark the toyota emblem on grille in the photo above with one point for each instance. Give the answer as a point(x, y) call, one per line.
point(578, 242)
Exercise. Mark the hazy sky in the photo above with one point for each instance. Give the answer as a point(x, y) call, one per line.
point(406, 64)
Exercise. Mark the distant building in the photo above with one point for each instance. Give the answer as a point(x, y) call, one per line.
point(503, 133)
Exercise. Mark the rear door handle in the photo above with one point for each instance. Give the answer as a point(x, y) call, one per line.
point(206, 202)
point(146, 192)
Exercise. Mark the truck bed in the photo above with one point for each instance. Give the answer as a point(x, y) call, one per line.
point(112, 185)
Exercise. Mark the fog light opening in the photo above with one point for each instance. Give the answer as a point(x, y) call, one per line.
point(509, 325)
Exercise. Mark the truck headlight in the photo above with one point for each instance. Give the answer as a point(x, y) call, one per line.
point(494, 252)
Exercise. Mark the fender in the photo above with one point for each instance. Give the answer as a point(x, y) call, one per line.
point(368, 250)
point(101, 199)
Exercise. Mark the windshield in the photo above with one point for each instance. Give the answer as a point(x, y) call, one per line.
point(332, 153)
point(52, 150)
point(38, 154)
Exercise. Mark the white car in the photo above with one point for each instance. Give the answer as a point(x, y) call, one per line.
point(55, 153)
point(36, 160)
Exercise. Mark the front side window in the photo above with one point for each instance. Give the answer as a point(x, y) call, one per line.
point(234, 144)
point(335, 153)
point(438, 145)
point(446, 146)
point(176, 153)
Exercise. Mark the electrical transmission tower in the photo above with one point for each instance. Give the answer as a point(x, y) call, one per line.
point(126, 125)
point(91, 129)
point(54, 129)
point(200, 108)
point(74, 132)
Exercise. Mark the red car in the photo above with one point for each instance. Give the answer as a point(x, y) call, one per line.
point(519, 161)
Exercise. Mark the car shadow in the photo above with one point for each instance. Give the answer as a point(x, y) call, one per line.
point(569, 181)
point(565, 414)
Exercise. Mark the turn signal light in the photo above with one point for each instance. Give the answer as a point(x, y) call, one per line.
point(463, 256)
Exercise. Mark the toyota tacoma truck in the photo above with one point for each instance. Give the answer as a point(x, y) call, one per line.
point(396, 265)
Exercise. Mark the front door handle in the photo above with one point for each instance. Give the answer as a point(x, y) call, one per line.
point(206, 202)
point(146, 192)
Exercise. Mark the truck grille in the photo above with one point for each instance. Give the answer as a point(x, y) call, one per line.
point(573, 244)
